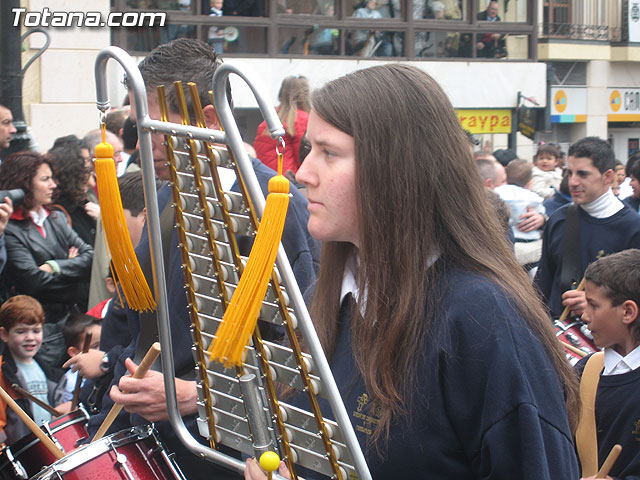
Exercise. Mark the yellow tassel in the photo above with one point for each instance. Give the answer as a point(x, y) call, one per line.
point(132, 280)
point(241, 316)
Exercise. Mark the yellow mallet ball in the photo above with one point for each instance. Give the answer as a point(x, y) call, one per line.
point(269, 461)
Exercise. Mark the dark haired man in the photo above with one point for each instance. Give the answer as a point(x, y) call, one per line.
point(634, 200)
point(600, 224)
point(187, 60)
point(7, 129)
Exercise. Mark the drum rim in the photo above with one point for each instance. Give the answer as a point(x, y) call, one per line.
point(101, 446)
point(84, 417)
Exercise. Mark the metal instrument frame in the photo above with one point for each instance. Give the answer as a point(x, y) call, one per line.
point(230, 136)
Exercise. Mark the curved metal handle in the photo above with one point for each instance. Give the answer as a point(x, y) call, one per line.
point(39, 52)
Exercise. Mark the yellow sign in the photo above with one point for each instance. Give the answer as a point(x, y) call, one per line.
point(485, 121)
point(615, 101)
point(560, 101)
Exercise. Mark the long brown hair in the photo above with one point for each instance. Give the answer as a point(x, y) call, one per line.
point(293, 95)
point(417, 187)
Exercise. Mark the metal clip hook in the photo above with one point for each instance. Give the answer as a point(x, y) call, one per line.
point(280, 142)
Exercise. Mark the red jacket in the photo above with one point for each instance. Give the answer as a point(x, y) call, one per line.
point(266, 146)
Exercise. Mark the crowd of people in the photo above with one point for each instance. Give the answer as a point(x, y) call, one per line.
point(432, 274)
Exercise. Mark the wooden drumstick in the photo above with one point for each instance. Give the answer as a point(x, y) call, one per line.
point(35, 399)
point(144, 366)
point(575, 350)
point(46, 441)
point(76, 389)
point(608, 463)
point(565, 312)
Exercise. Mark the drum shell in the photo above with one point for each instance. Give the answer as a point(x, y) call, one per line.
point(575, 333)
point(129, 454)
point(67, 431)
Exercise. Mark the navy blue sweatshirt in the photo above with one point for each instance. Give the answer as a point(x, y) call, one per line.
point(618, 421)
point(488, 401)
point(598, 236)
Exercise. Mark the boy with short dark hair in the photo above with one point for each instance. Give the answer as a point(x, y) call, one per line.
point(613, 298)
point(75, 330)
point(21, 321)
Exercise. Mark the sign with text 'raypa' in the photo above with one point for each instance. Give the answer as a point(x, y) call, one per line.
point(485, 121)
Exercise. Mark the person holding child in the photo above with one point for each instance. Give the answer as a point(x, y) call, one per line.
point(518, 195)
point(21, 321)
point(612, 286)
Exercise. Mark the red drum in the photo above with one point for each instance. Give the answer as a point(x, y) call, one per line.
point(577, 334)
point(134, 454)
point(28, 455)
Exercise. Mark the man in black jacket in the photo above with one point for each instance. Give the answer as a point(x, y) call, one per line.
point(490, 44)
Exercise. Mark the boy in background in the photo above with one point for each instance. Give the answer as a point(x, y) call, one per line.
point(21, 321)
point(613, 295)
point(75, 330)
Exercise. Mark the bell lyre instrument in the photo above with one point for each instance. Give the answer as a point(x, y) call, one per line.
point(240, 407)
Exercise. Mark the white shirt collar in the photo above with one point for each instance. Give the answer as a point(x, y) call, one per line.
point(349, 284)
point(39, 216)
point(616, 364)
point(604, 206)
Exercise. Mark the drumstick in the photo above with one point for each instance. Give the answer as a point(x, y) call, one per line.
point(76, 390)
point(565, 312)
point(144, 366)
point(35, 399)
point(575, 350)
point(46, 441)
point(608, 463)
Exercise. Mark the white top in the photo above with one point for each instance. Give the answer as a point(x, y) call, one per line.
point(615, 364)
point(604, 206)
point(625, 189)
point(349, 284)
point(36, 385)
point(39, 217)
point(545, 182)
point(519, 200)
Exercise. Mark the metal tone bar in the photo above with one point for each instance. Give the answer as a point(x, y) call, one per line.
point(207, 225)
point(193, 309)
point(255, 414)
point(234, 140)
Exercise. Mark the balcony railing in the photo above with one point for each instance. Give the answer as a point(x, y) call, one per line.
point(570, 31)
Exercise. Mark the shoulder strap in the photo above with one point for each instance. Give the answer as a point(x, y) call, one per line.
point(571, 267)
point(586, 437)
point(57, 206)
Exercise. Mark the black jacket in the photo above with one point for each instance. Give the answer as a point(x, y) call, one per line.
point(633, 202)
point(12, 428)
point(27, 249)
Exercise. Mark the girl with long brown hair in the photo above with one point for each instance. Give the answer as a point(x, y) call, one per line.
point(294, 114)
point(442, 351)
